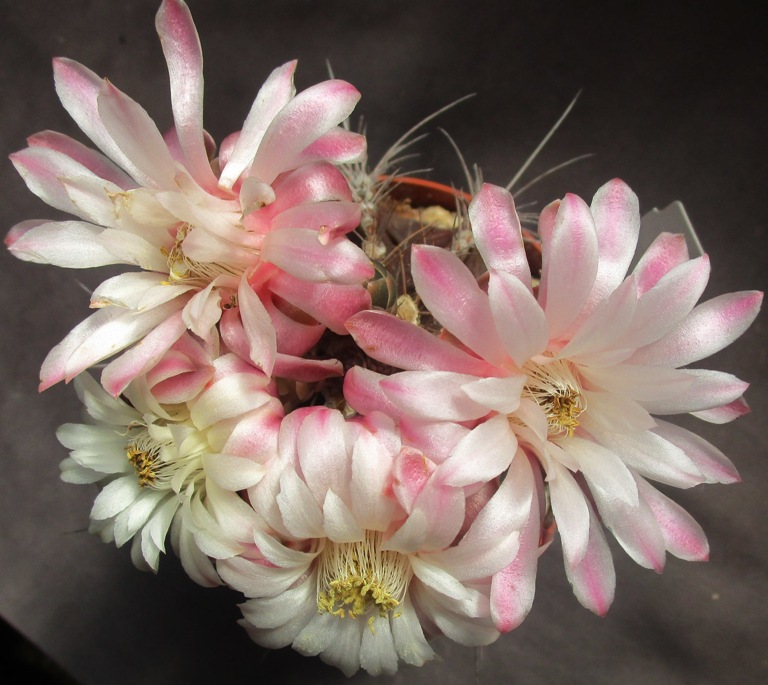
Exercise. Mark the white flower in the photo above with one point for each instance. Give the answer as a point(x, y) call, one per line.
point(158, 465)
point(365, 552)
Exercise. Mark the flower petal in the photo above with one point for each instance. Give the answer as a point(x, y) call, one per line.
point(519, 320)
point(299, 252)
point(258, 328)
point(434, 395)
point(129, 125)
point(484, 453)
point(303, 120)
point(616, 212)
point(404, 345)
point(666, 252)
point(452, 295)
point(184, 56)
point(68, 244)
point(496, 228)
point(569, 266)
point(78, 89)
point(593, 577)
point(276, 92)
point(710, 327)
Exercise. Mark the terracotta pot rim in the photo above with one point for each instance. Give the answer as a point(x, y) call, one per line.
point(428, 185)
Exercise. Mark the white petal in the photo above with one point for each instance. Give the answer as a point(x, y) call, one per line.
point(499, 394)
point(340, 524)
point(115, 497)
point(484, 453)
point(232, 472)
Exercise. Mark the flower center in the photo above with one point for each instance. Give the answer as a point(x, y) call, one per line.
point(357, 576)
point(555, 389)
point(185, 271)
point(161, 465)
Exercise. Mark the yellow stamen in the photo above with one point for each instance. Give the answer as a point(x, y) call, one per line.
point(555, 389)
point(355, 577)
point(159, 466)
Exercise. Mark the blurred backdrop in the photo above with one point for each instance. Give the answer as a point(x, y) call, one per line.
point(672, 100)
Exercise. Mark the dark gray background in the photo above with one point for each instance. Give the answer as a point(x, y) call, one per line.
point(673, 102)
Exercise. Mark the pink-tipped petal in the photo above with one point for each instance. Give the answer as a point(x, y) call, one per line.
point(593, 577)
point(338, 146)
point(137, 136)
point(410, 472)
point(664, 306)
point(391, 340)
point(310, 183)
point(724, 414)
point(496, 228)
point(651, 456)
point(569, 267)
point(183, 380)
point(666, 252)
point(184, 56)
point(452, 295)
point(513, 588)
point(712, 463)
point(683, 536)
point(101, 335)
point(616, 212)
point(18, 231)
point(635, 528)
point(332, 219)
point(94, 161)
point(116, 376)
point(78, 89)
point(294, 338)
point(42, 170)
point(255, 435)
point(276, 92)
point(435, 395)
point(710, 327)
point(709, 389)
point(305, 118)
point(68, 244)
point(364, 394)
point(300, 253)
point(519, 320)
point(329, 303)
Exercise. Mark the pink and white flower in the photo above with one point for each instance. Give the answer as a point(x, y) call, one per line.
point(261, 229)
point(363, 551)
point(576, 369)
point(173, 466)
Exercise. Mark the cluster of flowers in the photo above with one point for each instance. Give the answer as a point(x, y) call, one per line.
point(365, 474)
